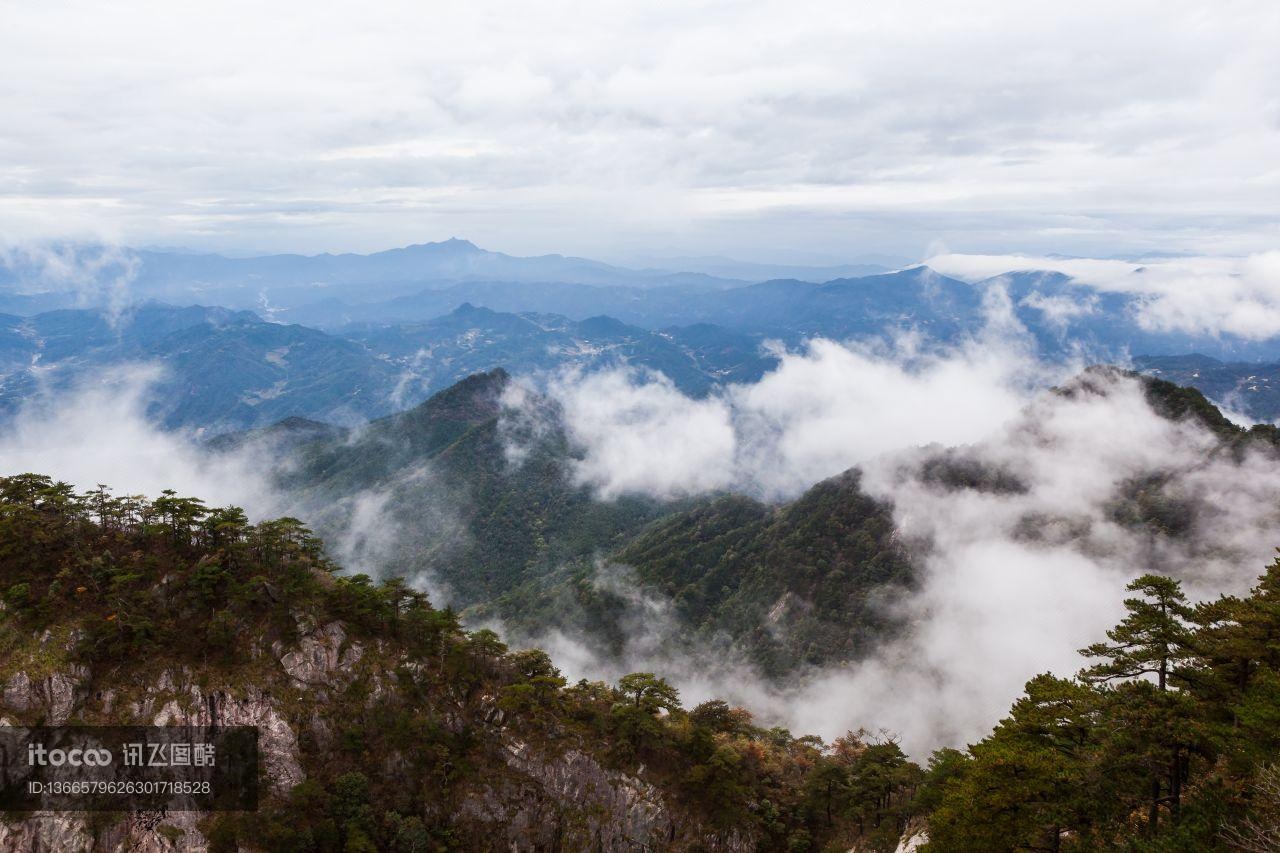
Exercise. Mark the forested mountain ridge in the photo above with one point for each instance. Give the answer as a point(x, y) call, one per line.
point(801, 584)
point(452, 500)
point(782, 588)
point(218, 370)
point(1178, 402)
point(469, 339)
point(1251, 388)
point(522, 540)
point(214, 369)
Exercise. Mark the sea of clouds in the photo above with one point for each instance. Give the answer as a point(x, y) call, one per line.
point(994, 605)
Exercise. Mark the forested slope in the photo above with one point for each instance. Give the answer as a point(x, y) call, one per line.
point(802, 583)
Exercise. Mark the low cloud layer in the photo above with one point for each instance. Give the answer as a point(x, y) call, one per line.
point(98, 432)
point(101, 276)
point(1198, 295)
point(1013, 581)
point(825, 408)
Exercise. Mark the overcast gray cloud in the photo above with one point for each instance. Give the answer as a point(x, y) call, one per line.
point(605, 128)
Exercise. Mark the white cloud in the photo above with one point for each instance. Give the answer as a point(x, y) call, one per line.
point(998, 605)
point(1200, 295)
point(825, 408)
point(98, 276)
point(643, 435)
point(98, 432)
point(833, 406)
point(1059, 311)
point(1011, 583)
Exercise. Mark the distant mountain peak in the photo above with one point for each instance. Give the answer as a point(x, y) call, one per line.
point(603, 324)
point(917, 271)
point(466, 309)
point(454, 245)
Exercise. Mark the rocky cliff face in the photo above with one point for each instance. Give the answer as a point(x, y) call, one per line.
point(569, 801)
point(533, 797)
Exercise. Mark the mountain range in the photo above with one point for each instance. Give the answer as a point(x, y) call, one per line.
point(474, 492)
point(232, 368)
point(1249, 388)
point(67, 275)
point(381, 724)
point(517, 538)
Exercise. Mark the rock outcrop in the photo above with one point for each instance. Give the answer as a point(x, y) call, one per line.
point(545, 799)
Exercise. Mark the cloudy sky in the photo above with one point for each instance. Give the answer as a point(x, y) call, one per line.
point(768, 130)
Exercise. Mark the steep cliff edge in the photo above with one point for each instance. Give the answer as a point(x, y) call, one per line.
point(528, 787)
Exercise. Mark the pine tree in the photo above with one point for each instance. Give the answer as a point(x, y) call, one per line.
point(648, 692)
point(1027, 782)
point(1151, 640)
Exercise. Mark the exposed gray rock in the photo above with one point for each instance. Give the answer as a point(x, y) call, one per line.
point(55, 696)
point(46, 832)
point(550, 800)
point(571, 802)
point(322, 657)
point(915, 837)
point(277, 742)
point(141, 832)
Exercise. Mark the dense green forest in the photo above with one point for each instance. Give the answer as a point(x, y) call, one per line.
point(783, 587)
point(455, 503)
point(1168, 739)
point(798, 584)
